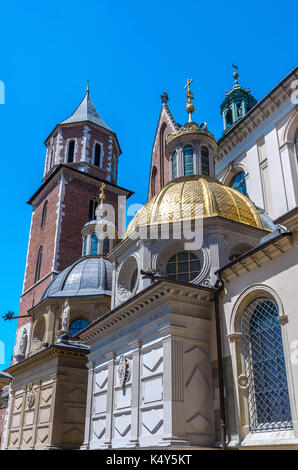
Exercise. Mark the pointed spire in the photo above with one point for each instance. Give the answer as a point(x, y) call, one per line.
point(86, 112)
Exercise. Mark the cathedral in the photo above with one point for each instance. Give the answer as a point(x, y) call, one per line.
point(179, 330)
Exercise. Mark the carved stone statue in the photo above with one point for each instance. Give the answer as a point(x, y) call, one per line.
point(23, 343)
point(65, 317)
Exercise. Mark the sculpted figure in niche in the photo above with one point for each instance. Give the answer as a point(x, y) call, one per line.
point(23, 343)
point(65, 316)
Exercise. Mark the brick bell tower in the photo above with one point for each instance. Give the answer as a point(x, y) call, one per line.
point(82, 151)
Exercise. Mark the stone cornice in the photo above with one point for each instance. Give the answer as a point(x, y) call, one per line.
point(255, 258)
point(174, 290)
point(65, 170)
point(289, 219)
point(44, 355)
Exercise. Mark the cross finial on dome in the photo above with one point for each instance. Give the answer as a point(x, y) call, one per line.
point(189, 95)
point(102, 195)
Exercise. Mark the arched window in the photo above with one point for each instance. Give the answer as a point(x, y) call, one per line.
point(70, 154)
point(94, 244)
point(50, 160)
point(153, 181)
point(296, 144)
point(238, 182)
point(114, 168)
point(205, 161)
point(188, 160)
point(184, 266)
point(92, 208)
point(97, 153)
point(44, 214)
point(106, 246)
point(229, 118)
point(174, 165)
point(265, 370)
point(85, 245)
point(78, 325)
point(38, 264)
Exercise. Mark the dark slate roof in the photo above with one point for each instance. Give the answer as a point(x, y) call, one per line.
point(86, 112)
point(89, 276)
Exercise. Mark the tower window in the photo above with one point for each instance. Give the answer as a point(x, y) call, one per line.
point(205, 161)
point(38, 264)
point(229, 117)
point(85, 245)
point(50, 160)
point(114, 168)
point(78, 325)
point(239, 110)
point(44, 214)
point(97, 154)
point(174, 165)
point(184, 266)
point(92, 208)
point(94, 244)
point(70, 155)
point(296, 144)
point(188, 160)
point(238, 182)
point(265, 369)
point(106, 246)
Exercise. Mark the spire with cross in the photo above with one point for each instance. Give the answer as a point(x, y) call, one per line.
point(189, 95)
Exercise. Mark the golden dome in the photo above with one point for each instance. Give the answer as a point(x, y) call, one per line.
point(192, 197)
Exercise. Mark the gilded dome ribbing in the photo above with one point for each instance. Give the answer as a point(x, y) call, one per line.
point(188, 198)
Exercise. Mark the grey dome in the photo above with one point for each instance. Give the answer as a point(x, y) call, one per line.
point(87, 276)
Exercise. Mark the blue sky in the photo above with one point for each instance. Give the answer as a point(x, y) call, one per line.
point(131, 52)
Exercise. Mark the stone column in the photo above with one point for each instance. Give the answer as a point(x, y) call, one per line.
point(179, 161)
point(173, 393)
point(196, 159)
point(89, 407)
point(135, 393)
point(110, 400)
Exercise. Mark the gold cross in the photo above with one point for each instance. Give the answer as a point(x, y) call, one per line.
point(189, 81)
point(102, 193)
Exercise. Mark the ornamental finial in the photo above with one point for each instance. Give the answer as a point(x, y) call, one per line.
point(102, 195)
point(189, 95)
point(235, 74)
point(88, 87)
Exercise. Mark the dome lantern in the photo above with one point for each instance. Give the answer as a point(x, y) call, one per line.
point(192, 148)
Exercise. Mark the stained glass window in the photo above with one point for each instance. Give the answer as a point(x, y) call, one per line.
point(265, 370)
point(94, 244)
point(188, 160)
point(238, 182)
point(78, 325)
point(205, 161)
point(184, 266)
point(174, 165)
point(85, 245)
